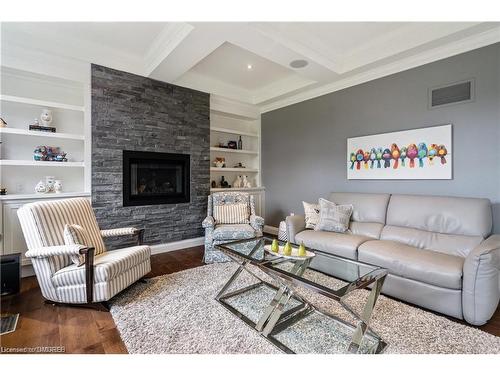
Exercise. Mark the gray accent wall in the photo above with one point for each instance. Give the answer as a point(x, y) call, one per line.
point(304, 145)
point(130, 112)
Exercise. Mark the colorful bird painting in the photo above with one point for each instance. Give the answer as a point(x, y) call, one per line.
point(352, 159)
point(380, 151)
point(359, 158)
point(422, 153)
point(366, 158)
point(373, 157)
point(432, 153)
point(387, 157)
point(412, 153)
point(402, 152)
point(442, 152)
point(395, 153)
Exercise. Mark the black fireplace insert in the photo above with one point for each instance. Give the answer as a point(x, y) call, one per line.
point(155, 178)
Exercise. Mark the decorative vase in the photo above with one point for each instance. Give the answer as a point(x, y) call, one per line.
point(58, 186)
point(40, 187)
point(46, 117)
point(49, 183)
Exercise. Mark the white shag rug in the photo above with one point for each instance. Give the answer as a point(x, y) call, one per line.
point(177, 313)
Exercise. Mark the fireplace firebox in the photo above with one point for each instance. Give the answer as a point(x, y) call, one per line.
point(155, 178)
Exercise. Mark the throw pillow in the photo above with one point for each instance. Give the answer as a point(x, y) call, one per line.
point(231, 213)
point(311, 212)
point(75, 234)
point(332, 217)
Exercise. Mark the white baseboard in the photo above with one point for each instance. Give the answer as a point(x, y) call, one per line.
point(271, 230)
point(176, 245)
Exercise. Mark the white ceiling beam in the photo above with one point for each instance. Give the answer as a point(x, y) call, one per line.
point(194, 47)
point(163, 45)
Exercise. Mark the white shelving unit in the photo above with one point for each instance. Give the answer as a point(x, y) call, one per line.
point(23, 96)
point(228, 121)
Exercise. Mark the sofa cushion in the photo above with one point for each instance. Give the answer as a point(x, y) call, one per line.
point(342, 244)
point(233, 232)
point(107, 266)
point(368, 207)
point(427, 266)
point(333, 217)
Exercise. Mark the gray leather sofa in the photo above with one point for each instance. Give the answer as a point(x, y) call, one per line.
point(438, 250)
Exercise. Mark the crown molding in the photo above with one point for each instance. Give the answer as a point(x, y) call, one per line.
point(164, 43)
point(279, 88)
point(451, 49)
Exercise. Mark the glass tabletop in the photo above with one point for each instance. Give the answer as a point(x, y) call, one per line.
point(345, 275)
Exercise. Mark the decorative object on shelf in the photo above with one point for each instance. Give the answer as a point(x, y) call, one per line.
point(397, 153)
point(237, 182)
point(232, 145)
point(240, 144)
point(224, 183)
point(239, 165)
point(58, 186)
point(245, 183)
point(49, 183)
point(46, 117)
point(35, 126)
point(40, 187)
point(3, 191)
point(214, 184)
point(3, 123)
point(49, 153)
point(222, 145)
point(220, 162)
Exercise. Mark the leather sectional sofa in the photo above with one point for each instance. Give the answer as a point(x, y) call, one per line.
point(438, 250)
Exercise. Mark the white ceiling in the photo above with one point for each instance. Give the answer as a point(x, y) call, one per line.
point(213, 57)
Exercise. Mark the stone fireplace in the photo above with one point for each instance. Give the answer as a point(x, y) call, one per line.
point(155, 178)
point(150, 156)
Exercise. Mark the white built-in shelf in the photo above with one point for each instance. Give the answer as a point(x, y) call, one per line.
point(233, 131)
point(34, 163)
point(249, 170)
point(231, 150)
point(30, 133)
point(43, 196)
point(257, 188)
point(41, 103)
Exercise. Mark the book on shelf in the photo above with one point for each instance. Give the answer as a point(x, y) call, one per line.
point(40, 128)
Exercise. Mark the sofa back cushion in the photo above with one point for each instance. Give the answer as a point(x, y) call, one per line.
point(369, 211)
point(447, 224)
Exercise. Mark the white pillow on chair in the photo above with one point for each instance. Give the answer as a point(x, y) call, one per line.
point(231, 213)
point(75, 234)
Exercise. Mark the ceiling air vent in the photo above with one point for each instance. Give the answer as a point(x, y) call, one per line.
point(454, 93)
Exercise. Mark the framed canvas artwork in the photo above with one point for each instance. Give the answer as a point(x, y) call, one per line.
point(424, 154)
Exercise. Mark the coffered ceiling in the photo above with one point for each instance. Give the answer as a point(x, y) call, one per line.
point(250, 62)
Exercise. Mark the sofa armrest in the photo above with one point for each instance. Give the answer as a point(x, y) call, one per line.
point(480, 289)
point(209, 222)
point(294, 225)
point(50, 251)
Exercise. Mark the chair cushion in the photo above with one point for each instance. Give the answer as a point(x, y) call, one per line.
point(342, 244)
point(107, 266)
point(427, 266)
point(233, 232)
point(75, 234)
point(231, 213)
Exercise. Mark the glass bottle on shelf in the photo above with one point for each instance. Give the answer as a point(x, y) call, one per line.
point(240, 144)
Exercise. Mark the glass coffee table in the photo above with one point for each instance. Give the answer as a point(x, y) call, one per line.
point(290, 305)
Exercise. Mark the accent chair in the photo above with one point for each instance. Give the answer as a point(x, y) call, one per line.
point(104, 273)
point(218, 233)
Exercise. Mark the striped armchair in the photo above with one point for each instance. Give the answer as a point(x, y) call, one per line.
point(104, 274)
point(221, 233)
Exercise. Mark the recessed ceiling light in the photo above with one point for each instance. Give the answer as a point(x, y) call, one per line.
point(297, 64)
point(249, 67)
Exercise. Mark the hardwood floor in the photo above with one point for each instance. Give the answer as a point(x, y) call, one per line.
point(86, 330)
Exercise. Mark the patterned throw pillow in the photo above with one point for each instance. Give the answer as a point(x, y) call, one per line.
point(231, 213)
point(332, 217)
point(75, 234)
point(311, 212)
